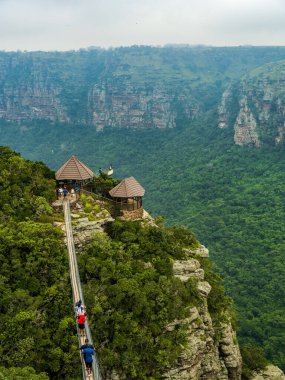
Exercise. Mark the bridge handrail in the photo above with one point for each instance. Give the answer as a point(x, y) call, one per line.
point(95, 365)
point(66, 219)
point(95, 195)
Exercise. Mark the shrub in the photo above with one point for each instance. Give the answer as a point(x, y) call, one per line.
point(88, 207)
point(253, 360)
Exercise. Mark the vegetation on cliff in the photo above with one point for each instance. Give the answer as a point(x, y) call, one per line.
point(125, 87)
point(230, 196)
point(128, 282)
point(36, 316)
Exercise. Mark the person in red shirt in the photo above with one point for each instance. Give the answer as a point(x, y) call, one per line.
point(81, 320)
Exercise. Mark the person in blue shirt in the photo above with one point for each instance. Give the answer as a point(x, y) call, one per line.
point(86, 345)
point(65, 192)
point(87, 353)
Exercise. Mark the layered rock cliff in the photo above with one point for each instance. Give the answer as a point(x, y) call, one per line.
point(30, 89)
point(245, 126)
point(140, 88)
point(143, 87)
point(95, 88)
point(125, 105)
point(257, 106)
point(212, 351)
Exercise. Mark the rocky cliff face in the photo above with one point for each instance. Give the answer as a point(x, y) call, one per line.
point(257, 104)
point(66, 88)
point(27, 91)
point(212, 352)
point(270, 373)
point(124, 105)
point(245, 126)
point(141, 88)
point(224, 109)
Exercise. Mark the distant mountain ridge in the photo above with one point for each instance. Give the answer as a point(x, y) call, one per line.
point(136, 87)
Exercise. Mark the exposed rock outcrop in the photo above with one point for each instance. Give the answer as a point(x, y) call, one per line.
point(122, 104)
point(84, 229)
point(257, 104)
point(55, 87)
point(223, 110)
point(270, 373)
point(185, 269)
point(125, 106)
point(29, 90)
point(246, 126)
point(200, 251)
point(205, 355)
point(280, 136)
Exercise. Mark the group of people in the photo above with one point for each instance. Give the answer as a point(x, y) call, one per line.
point(81, 317)
point(62, 192)
point(87, 349)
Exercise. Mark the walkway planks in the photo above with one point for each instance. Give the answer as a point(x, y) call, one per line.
point(76, 289)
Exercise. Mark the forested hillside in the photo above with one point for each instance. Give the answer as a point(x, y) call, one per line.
point(231, 196)
point(144, 316)
point(36, 313)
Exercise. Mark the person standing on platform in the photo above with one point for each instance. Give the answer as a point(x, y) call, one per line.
point(60, 192)
point(65, 192)
point(72, 193)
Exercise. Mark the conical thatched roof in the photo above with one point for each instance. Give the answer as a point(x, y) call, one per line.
point(74, 169)
point(128, 188)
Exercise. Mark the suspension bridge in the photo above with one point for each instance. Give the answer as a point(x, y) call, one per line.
point(77, 292)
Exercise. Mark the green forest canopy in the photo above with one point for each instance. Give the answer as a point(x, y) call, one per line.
point(128, 281)
point(36, 313)
point(231, 197)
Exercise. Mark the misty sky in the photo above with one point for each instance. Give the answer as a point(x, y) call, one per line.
point(74, 24)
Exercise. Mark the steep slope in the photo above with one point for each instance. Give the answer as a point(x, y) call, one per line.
point(36, 314)
point(257, 106)
point(136, 87)
point(155, 306)
point(157, 309)
point(230, 196)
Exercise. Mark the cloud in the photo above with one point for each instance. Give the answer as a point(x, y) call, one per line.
point(71, 24)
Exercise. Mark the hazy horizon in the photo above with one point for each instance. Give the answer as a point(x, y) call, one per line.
point(177, 45)
point(64, 25)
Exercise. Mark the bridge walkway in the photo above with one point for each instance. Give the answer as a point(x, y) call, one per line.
point(77, 290)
